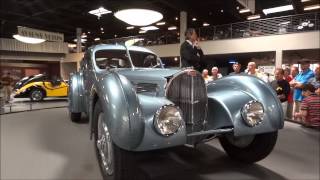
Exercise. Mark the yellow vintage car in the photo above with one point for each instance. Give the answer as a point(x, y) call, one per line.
point(39, 86)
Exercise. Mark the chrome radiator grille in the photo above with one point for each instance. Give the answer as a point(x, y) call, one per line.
point(188, 91)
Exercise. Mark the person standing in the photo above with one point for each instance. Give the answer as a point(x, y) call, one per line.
point(252, 70)
point(236, 69)
point(7, 83)
point(301, 79)
point(281, 87)
point(215, 73)
point(292, 74)
point(190, 51)
point(309, 112)
point(205, 75)
point(315, 81)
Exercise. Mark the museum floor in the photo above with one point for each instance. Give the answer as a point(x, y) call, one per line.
point(46, 145)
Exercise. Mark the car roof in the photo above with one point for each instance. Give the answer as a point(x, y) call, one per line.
point(120, 47)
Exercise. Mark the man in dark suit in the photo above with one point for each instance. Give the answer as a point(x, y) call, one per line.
point(190, 51)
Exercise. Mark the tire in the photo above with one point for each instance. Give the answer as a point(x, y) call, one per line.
point(255, 149)
point(36, 95)
point(75, 117)
point(119, 163)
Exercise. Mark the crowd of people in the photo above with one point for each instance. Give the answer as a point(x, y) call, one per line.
point(299, 92)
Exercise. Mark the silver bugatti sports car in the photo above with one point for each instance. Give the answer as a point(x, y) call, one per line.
point(135, 104)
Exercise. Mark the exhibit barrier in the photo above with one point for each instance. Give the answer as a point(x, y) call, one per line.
point(22, 106)
point(262, 27)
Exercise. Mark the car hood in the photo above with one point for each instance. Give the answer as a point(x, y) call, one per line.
point(147, 74)
point(151, 81)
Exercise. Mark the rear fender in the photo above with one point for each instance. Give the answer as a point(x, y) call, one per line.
point(76, 93)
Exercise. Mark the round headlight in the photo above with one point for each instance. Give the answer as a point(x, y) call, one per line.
point(168, 120)
point(252, 113)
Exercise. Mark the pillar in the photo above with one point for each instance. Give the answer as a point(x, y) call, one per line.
point(183, 27)
point(278, 61)
point(78, 34)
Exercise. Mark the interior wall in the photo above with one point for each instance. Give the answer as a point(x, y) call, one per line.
point(305, 40)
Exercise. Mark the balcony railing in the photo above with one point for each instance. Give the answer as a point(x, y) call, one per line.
point(262, 27)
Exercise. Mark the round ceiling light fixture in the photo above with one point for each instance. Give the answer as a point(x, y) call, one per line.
point(28, 40)
point(138, 17)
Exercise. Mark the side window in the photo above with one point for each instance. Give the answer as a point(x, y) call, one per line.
point(107, 59)
point(85, 61)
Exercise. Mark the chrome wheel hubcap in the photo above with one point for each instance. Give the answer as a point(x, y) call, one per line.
point(104, 145)
point(36, 95)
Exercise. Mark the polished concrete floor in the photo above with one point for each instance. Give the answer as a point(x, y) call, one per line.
point(45, 145)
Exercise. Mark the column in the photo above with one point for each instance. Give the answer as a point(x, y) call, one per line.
point(78, 34)
point(183, 27)
point(279, 56)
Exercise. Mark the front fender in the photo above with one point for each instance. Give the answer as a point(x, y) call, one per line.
point(122, 111)
point(227, 96)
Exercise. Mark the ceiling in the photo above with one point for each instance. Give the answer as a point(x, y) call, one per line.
point(65, 16)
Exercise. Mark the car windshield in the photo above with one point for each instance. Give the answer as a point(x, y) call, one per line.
point(144, 59)
point(106, 59)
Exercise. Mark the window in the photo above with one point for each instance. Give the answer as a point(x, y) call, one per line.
point(107, 59)
point(144, 59)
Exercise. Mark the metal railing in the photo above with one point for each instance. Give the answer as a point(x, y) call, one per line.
point(262, 27)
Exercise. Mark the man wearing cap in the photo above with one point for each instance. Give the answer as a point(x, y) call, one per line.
point(301, 79)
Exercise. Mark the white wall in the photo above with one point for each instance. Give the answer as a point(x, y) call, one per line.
point(306, 40)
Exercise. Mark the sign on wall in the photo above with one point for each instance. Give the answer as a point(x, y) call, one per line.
point(40, 34)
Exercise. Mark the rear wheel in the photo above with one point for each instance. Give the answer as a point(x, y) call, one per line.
point(249, 149)
point(75, 117)
point(36, 95)
point(115, 163)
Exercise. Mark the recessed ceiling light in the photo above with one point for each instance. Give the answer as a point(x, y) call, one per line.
point(172, 28)
point(149, 28)
point(83, 35)
point(130, 27)
point(142, 32)
point(308, 8)
point(206, 24)
point(101, 29)
point(176, 18)
point(305, 0)
point(238, 7)
point(221, 10)
point(138, 17)
point(89, 32)
point(100, 11)
point(257, 16)
point(194, 19)
point(97, 39)
point(102, 32)
point(244, 10)
point(277, 9)
point(28, 40)
point(175, 59)
point(161, 23)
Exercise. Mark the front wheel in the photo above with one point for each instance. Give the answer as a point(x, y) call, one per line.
point(249, 149)
point(36, 95)
point(114, 162)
